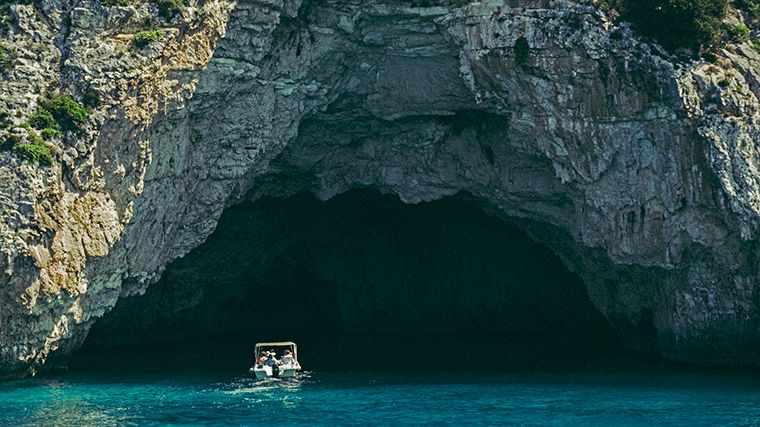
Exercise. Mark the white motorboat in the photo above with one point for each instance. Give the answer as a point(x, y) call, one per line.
point(278, 369)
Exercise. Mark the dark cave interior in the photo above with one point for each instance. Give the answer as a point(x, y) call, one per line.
point(364, 276)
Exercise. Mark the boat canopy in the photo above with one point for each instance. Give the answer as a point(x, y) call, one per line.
point(275, 344)
point(290, 344)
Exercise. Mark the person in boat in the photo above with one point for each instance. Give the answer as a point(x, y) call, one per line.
point(262, 359)
point(287, 358)
point(273, 363)
point(271, 360)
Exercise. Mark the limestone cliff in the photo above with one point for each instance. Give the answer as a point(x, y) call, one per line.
point(647, 165)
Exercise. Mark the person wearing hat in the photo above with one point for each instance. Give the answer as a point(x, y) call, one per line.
point(273, 363)
point(271, 360)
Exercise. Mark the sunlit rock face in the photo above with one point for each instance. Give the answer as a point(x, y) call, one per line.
point(638, 172)
point(360, 264)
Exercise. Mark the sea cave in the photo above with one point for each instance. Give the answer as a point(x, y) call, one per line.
point(362, 273)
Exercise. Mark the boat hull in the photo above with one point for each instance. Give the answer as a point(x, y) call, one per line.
point(288, 372)
point(263, 372)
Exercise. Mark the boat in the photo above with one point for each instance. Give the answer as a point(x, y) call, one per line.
point(288, 370)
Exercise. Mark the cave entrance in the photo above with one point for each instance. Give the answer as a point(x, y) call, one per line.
point(362, 275)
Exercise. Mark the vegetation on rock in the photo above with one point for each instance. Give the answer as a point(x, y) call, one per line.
point(91, 98)
point(32, 148)
point(677, 23)
point(694, 24)
point(751, 8)
point(66, 112)
point(50, 133)
point(7, 58)
point(168, 9)
point(9, 141)
point(5, 119)
point(144, 38)
point(738, 32)
point(43, 119)
point(35, 151)
point(56, 115)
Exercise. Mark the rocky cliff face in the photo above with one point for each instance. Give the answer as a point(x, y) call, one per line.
point(646, 167)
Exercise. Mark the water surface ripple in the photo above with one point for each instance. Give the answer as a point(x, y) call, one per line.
point(385, 399)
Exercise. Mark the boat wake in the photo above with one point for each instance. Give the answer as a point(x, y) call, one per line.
point(249, 385)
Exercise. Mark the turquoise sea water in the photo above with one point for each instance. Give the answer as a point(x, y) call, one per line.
point(365, 398)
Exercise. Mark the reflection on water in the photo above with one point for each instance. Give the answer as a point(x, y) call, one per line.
point(55, 405)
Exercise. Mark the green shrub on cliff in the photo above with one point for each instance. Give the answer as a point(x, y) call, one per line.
point(56, 115)
point(144, 38)
point(675, 23)
point(7, 58)
point(50, 133)
point(42, 119)
point(9, 141)
point(751, 9)
point(30, 148)
point(679, 23)
point(91, 98)
point(5, 119)
point(738, 32)
point(36, 152)
point(68, 114)
point(168, 9)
